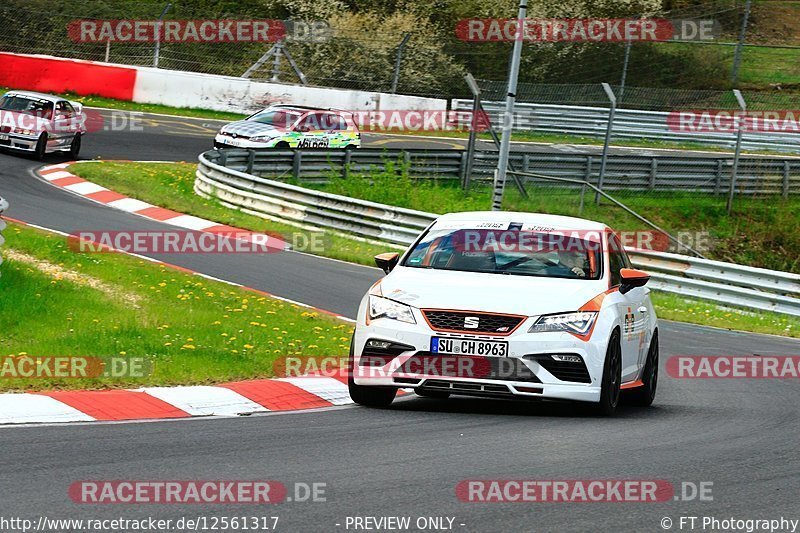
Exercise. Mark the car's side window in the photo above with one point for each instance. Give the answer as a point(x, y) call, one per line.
point(616, 258)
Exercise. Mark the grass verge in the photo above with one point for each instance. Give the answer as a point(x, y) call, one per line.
point(170, 185)
point(190, 329)
point(760, 232)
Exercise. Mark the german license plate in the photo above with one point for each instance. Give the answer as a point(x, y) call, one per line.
point(447, 346)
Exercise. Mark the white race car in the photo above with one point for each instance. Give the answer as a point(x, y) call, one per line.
point(509, 305)
point(41, 123)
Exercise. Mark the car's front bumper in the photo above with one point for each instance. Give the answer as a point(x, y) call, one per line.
point(226, 141)
point(18, 142)
point(528, 371)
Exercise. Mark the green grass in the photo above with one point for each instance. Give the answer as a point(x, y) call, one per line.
point(192, 330)
point(171, 185)
point(761, 231)
point(675, 307)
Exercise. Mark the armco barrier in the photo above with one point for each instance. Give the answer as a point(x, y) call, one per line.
point(756, 175)
point(3, 207)
point(628, 124)
point(716, 281)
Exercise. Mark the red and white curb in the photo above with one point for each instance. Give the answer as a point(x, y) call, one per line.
point(59, 176)
point(150, 403)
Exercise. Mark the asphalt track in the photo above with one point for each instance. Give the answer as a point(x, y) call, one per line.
point(739, 434)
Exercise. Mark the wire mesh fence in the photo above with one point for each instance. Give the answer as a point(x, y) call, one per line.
point(362, 47)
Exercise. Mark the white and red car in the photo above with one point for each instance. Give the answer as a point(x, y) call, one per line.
point(41, 123)
point(509, 305)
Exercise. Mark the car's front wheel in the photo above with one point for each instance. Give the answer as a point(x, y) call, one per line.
point(41, 147)
point(612, 377)
point(380, 397)
point(75, 147)
point(645, 394)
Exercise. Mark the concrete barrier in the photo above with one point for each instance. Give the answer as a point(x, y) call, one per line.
point(148, 85)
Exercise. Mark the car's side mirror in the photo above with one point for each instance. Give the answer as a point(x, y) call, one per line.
point(632, 278)
point(387, 261)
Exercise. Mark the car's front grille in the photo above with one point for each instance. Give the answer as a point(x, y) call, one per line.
point(469, 367)
point(563, 370)
point(471, 322)
point(458, 387)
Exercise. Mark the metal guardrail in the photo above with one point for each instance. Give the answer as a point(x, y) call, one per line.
point(3, 207)
point(628, 124)
point(724, 283)
point(756, 175)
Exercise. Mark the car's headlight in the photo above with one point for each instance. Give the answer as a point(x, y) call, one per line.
point(579, 322)
point(262, 138)
point(384, 308)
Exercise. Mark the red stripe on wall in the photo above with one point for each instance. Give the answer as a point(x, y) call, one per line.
point(57, 75)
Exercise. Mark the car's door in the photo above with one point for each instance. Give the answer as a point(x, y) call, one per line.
point(634, 308)
point(311, 129)
point(336, 129)
point(63, 124)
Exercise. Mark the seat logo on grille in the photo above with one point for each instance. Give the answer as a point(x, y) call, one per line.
point(471, 322)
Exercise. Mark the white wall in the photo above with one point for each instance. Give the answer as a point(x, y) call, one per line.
point(225, 93)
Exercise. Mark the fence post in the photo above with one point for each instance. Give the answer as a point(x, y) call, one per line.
point(297, 160)
point(737, 54)
point(398, 59)
point(348, 156)
point(609, 129)
point(738, 151)
point(653, 172)
point(462, 168)
point(223, 158)
point(251, 159)
point(586, 177)
point(785, 188)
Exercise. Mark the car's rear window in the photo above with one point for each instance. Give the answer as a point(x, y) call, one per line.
point(510, 251)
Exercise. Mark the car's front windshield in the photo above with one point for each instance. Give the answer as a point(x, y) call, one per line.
point(511, 249)
point(29, 106)
point(275, 117)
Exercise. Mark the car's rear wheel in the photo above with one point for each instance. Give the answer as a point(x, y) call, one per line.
point(380, 397)
point(645, 394)
point(75, 147)
point(283, 145)
point(350, 147)
point(41, 147)
point(612, 377)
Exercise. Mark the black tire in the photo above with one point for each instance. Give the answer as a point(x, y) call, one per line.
point(75, 146)
point(437, 394)
point(645, 394)
point(41, 147)
point(350, 147)
point(378, 397)
point(612, 378)
point(283, 145)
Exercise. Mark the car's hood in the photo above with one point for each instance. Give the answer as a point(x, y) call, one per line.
point(523, 295)
point(251, 128)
